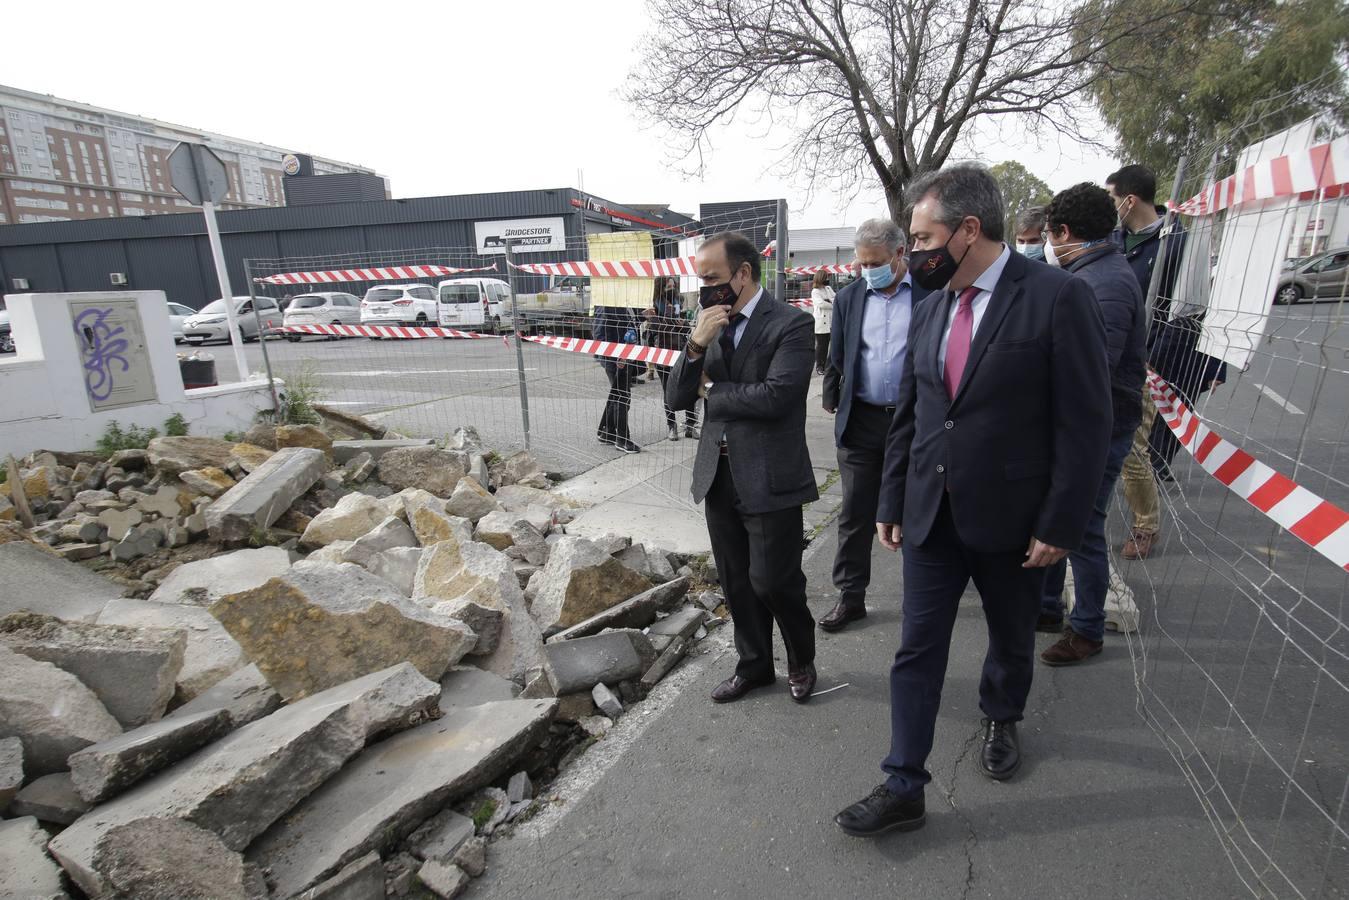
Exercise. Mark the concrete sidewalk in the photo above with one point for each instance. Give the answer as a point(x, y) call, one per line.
point(687, 799)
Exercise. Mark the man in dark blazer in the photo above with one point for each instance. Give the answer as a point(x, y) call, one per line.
point(861, 387)
point(750, 358)
point(992, 467)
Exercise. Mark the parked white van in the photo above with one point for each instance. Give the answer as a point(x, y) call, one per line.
point(399, 304)
point(474, 303)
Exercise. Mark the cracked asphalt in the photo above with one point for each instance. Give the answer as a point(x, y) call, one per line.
point(738, 800)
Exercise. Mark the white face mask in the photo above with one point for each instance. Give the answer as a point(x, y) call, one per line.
point(1052, 252)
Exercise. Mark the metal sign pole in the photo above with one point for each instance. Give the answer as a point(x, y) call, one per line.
point(780, 252)
point(226, 294)
point(519, 345)
point(262, 336)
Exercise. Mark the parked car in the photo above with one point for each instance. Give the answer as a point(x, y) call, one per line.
point(324, 308)
point(6, 336)
point(178, 314)
point(210, 323)
point(562, 308)
point(473, 303)
point(1325, 275)
point(399, 304)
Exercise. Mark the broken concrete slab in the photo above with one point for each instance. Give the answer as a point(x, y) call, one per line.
point(171, 859)
point(389, 534)
point(264, 494)
point(11, 767)
point(441, 836)
point(652, 562)
point(205, 581)
point(383, 794)
point(320, 625)
point(354, 516)
point(575, 706)
point(484, 620)
point(26, 871)
point(518, 498)
point(580, 664)
point(175, 455)
point(210, 653)
point(471, 500)
point(361, 880)
point(446, 881)
point(38, 580)
point(76, 552)
point(343, 451)
point(437, 471)
point(132, 671)
point(495, 529)
point(109, 767)
point(635, 612)
point(398, 567)
point(580, 581)
point(241, 784)
point(51, 798)
point(452, 569)
point(244, 696)
point(465, 686)
point(681, 623)
point(50, 710)
point(432, 526)
point(666, 662)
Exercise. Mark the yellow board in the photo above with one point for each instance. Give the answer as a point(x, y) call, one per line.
point(633, 292)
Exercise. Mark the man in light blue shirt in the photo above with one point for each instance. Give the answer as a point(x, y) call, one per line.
point(870, 337)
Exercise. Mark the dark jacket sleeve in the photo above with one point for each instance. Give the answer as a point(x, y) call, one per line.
point(899, 440)
point(1081, 416)
point(686, 377)
point(832, 392)
point(1119, 308)
point(786, 385)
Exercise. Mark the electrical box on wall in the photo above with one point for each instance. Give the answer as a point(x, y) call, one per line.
point(117, 277)
point(111, 342)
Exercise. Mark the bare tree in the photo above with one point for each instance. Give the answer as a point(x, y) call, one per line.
point(879, 88)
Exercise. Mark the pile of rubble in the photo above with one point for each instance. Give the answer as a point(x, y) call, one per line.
point(355, 661)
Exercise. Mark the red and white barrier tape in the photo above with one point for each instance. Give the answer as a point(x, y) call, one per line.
point(1318, 523)
point(802, 304)
point(770, 248)
point(626, 352)
point(620, 268)
point(1303, 174)
point(832, 269)
point(382, 273)
point(387, 331)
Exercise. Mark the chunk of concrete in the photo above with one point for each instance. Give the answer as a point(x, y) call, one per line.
point(265, 493)
point(354, 516)
point(50, 711)
point(495, 529)
point(51, 798)
point(636, 612)
point(132, 671)
point(398, 567)
point(249, 456)
point(437, 471)
point(205, 581)
point(209, 482)
point(210, 653)
point(666, 662)
point(11, 766)
point(334, 553)
point(382, 795)
point(453, 569)
point(175, 455)
point(163, 502)
point(361, 880)
point(26, 871)
point(606, 702)
point(649, 561)
point(580, 581)
point(389, 534)
point(519, 788)
point(441, 836)
point(518, 498)
point(241, 784)
point(320, 625)
point(681, 623)
point(303, 436)
point(484, 620)
point(105, 769)
point(465, 686)
point(36, 579)
point(343, 451)
point(244, 696)
point(527, 542)
point(580, 664)
point(432, 526)
point(471, 500)
point(172, 859)
point(446, 881)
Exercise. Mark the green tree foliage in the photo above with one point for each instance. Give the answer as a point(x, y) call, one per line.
point(1215, 69)
point(1020, 190)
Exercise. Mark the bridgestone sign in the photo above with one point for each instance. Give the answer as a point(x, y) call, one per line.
point(525, 235)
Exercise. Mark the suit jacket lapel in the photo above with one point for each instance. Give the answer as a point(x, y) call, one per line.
point(1005, 293)
point(754, 329)
point(940, 316)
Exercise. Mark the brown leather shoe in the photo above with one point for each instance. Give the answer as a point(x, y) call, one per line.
point(801, 682)
point(1139, 545)
point(842, 613)
point(1070, 650)
point(735, 687)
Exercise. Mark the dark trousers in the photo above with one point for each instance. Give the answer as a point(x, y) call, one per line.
point(861, 454)
point(690, 415)
point(614, 421)
point(821, 352)
point(759, 564)
point(935, 575)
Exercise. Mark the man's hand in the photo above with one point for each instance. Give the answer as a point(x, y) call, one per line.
point(891, 535)
point(702, 388)
point(710, 323)
point(1039, 554)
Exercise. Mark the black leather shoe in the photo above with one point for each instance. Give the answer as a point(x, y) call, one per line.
point(881, 811)
point(841, 615)
point(801, 682)
point(1000, 755)
point(1048, 624)
point(735, 687)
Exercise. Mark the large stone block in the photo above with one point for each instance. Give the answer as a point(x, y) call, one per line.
point(391, 788)
point(354, 516)
point(38, 580)
point(465, 686)
point(209, 482)
point(26, 871)
point(171, 859)
point(244, 696)
point(471, 500)
point(495, 529)
point(241, 784)
point(266, 493)
point(50, 710)
point(175, 455)
point(580, 664)
point(51, 798)
point(109, 767)
point(389, 534)
point(320, 625)
point(405, 501)
point(636, 612)
point(361, 880)
point(210, 654)
point(133, 671)
point(580, 581)
point(484, 620)
point(343, 451)
point(432, 526)
point(249, 456)
point(453, 569)
point(652, 562)
point(303, 436)
point(205, 581)
point(437, 471)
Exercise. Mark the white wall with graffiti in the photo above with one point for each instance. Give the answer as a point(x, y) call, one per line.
point(86, 360)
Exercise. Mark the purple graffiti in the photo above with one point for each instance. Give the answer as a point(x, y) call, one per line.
point(101, 347)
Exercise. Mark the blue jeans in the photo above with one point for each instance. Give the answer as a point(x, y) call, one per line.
point(1091, 562)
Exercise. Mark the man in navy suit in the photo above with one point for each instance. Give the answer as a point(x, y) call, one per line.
point(866, 356)
point(992, 466)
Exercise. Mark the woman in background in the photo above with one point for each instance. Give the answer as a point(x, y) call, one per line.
point(822, 307)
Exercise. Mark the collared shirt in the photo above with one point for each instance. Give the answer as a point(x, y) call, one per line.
point(746, 312)
point(885, 340)
point(985, 283)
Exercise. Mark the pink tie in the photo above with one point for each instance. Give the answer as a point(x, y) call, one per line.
point(958, 344)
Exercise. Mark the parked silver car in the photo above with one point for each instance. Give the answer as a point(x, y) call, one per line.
point(1324, 276)
point(210, 323)
point(178, 314)
point(323, 308)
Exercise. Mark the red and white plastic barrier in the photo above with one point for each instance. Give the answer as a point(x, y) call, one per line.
point(382, 273)
point(383, 331)
point(625, 352)
point(832, 269)
point(622, 268)
point(1304, 174)
point(1318, 523)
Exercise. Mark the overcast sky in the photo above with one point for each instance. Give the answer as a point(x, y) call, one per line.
point(442, 98)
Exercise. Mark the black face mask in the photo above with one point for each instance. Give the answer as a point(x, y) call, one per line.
point(717, 295)
point(932, 269)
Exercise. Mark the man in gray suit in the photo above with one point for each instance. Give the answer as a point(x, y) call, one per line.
point(750, 357)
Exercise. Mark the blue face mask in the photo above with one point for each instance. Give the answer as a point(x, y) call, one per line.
point(879, 278)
